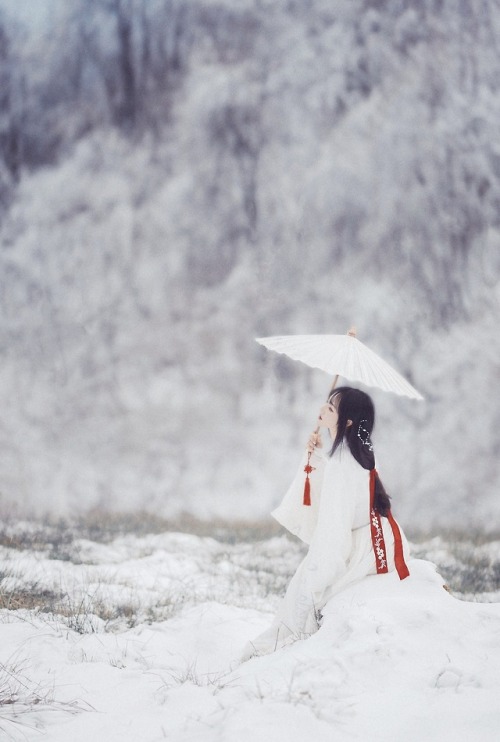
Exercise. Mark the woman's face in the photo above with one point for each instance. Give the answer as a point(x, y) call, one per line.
point(328, 416)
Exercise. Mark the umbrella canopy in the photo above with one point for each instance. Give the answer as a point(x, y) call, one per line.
point(342, 355)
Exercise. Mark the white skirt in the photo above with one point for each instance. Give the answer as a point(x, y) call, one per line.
point(299, 614)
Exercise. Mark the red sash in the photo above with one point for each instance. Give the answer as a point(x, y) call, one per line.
point(378, 537)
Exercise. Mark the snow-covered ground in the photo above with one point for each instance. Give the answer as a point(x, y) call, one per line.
point(138, 637)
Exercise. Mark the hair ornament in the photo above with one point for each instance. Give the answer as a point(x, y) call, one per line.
point(364, 435)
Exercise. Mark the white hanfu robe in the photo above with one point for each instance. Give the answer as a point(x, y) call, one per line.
point(337, 528)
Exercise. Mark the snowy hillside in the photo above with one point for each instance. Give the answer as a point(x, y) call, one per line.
point(139, 637)
point(179, 178)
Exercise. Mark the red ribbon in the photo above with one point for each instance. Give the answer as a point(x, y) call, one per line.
point(378, 537)
point(399, 559)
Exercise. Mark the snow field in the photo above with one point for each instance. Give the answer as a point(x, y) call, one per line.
point(140, 640)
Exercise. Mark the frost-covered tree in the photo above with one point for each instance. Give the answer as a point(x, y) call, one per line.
point(193, 174)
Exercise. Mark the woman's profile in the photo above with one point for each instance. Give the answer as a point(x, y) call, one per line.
point(344, 517)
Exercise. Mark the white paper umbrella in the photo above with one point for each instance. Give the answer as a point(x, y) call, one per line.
point(342, 355)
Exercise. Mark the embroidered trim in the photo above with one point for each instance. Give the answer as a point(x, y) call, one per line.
point(378, 542)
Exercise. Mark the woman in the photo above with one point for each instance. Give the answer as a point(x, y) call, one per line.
point(344, 515)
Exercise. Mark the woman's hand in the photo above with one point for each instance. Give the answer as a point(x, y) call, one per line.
point(314, 442)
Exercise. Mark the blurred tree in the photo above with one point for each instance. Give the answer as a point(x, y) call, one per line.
point(11, 119)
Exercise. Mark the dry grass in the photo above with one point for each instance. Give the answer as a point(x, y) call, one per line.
point(469, 569)
point(102, 527)
point(454, 536)
point(90, 611)
point(246, 562)
point(19, 696)
point(57, 536)
point(232, 570)
point(29, 598)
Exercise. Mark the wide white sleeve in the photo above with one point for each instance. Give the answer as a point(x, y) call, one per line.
point(344, 484)
point(296, 517)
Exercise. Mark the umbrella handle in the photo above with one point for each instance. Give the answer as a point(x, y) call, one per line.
point(335, 379)
point(308, 469)
point(352, 333)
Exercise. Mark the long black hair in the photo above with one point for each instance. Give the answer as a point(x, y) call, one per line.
point(356, 418)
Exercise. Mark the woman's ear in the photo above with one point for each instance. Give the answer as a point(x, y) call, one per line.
point(349, 423)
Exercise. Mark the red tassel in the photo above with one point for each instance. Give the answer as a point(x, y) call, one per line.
point(307, 491)
point(307, 484)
